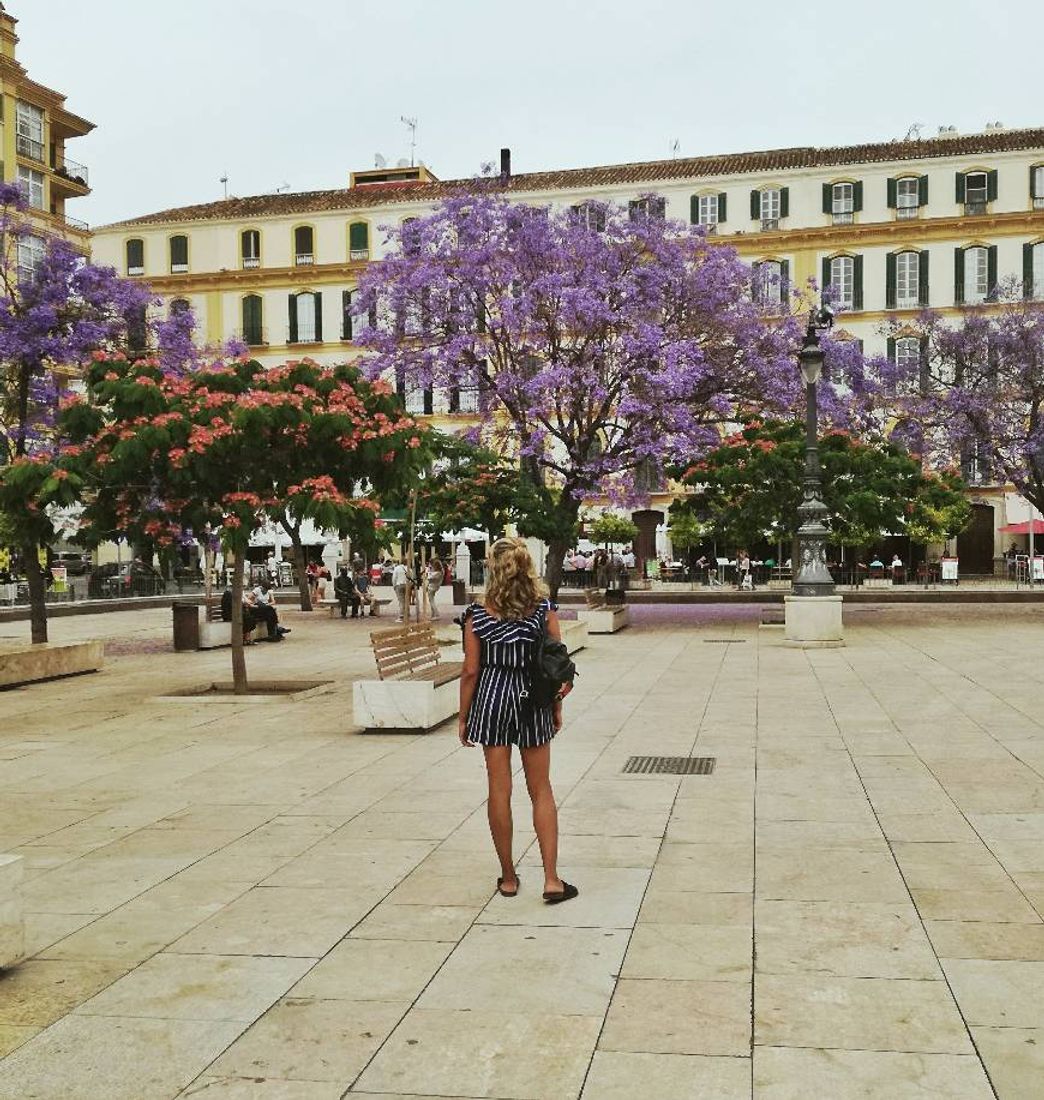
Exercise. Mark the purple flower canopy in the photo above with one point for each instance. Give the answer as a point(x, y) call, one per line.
point(597, 343)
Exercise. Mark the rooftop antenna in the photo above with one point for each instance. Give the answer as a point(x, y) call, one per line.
point(675, 149)
point(914, 132)
point(380, 160)
point(411, 125)
point(282, 187)
point(224, 183)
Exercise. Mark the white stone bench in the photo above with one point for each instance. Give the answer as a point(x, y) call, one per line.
point(24, 664)
point(574, 634)
point(214, 632)
point(601, 617)
point(415, 690)
point(376, 603)
point(12, 920)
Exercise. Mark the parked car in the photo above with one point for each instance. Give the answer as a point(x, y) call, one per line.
point(75, 562)
point(129, 578)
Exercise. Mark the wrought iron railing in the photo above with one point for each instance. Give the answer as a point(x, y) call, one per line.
point(70, 169)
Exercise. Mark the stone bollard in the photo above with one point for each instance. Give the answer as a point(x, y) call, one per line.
point(12, 921)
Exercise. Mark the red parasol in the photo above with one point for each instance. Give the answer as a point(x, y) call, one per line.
point(1024, 528)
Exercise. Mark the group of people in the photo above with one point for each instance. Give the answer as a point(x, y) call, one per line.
point(352, 591)
point(259, 606)
point(429, 578)
point(605, 566)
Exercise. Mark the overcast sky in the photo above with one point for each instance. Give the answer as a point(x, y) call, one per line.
point(273, 92)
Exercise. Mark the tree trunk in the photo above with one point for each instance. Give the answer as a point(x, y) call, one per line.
point(37, 594)
point(239, 672)
point(299, 562)
point(556, 552)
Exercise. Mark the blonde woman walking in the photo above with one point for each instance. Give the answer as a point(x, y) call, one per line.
point(496, 711)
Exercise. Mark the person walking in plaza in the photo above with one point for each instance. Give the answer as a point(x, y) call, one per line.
point(400, 586)
point(496, 710)
point(433, 578)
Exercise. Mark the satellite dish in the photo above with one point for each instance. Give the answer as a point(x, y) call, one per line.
point(380, 161)
point(402, 162)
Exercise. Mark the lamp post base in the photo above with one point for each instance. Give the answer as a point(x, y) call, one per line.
point(813, 622)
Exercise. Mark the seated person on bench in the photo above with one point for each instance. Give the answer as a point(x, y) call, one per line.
point(362, 588)
point(250, 618)
point(262, 602)
point(346, 593)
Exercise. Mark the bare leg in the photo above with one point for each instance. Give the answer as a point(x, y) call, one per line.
point(498, 808)
point(536, 763)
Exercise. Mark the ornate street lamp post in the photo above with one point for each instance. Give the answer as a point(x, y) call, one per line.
point(813, 577)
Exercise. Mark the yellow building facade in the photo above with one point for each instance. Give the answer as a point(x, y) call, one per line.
point(35, 129)
point(889, 227)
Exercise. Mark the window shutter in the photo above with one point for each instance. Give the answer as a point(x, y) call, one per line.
point(958, 276)
point(828, 198)
point(694, 210)
point(857, 282)
point(857, 195)
point(891, 348)
point(991, 272)
point(924, 377)
point(960, 187)
point(346, 315)
point(293, 319)
point(318, 317)
point(922, 278)
point(721, 206)
point(784, 283)
point(892, 194)
point(755, 205)
point(922, 190)
point(890, 294)
point(1027, 270)
point(1033, 182)
point(358, 237)
point(784, 201)
point(178, 251)
point(826, 275)
point(991, 185)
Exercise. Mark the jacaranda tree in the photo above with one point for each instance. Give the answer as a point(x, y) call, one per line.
point(975, 393)
point(601, 343)
point(230, 446)
point(55, 309)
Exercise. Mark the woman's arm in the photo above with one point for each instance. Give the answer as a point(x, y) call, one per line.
point(468, 680)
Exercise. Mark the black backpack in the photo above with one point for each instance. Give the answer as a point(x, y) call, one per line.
point(550, 667)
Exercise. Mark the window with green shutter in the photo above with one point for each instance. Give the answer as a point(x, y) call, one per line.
point(358, 241)
point(347, 322)
point(135, 250)
point(958, 276)
point(978, 188)
point(857, 282)
point(1033, 270)
point(722, 208)
point(306, 318)
point(304, 246)
point(253, 332)
point(890, 292)
point(250, 247)
point(178, 254)
point(922, 278)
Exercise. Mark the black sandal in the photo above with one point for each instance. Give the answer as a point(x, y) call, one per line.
point(503, 893)
point(556, 897)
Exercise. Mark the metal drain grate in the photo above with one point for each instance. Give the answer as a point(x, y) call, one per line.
point(670, 765)
point(725, 641)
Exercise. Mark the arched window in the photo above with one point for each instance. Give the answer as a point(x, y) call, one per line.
point(306, 318)
point(649, 206)
point(250, 247)
point(253, 320)
point(771, 282)
point(1033, 270)
point(708, 209)
point(358, 241)
point(304, 246)
point(906, 280)
point(590, 214)
point(843, 278)
point(976, 273)
point(135, 254)
point(179, 254)
point(842, 200)
point(770, 205)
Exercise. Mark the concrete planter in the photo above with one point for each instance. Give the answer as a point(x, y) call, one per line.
point(27, 664)
point(12, 923)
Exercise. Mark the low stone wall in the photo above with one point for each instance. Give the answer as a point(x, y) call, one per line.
point(28, 663)
point(12, 921)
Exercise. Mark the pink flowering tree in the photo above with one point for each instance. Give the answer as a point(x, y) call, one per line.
point(230, 446)
point(974, 394)
point(599, 345)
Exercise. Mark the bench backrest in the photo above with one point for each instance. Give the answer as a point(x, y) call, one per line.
point(404, 650)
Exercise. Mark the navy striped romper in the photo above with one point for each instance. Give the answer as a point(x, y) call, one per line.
point(499, 714)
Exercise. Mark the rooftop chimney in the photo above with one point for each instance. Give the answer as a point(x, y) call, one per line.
point(505, 164)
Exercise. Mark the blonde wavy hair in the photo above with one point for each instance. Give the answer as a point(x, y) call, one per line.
point(513, 588)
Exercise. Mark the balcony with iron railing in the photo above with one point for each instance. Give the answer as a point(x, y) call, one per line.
point(66, 221)
point(69, 173)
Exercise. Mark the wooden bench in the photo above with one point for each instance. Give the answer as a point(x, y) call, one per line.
point(375, 606)
point(601, 617)
point(415, 690)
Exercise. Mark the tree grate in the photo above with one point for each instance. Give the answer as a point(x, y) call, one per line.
point(670, 765)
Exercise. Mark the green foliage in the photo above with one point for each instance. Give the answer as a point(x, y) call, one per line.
point(750, 487)
point(611, 529)
point(686, 530)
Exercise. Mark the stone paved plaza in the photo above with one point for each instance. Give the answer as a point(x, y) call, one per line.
point(238, 902)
